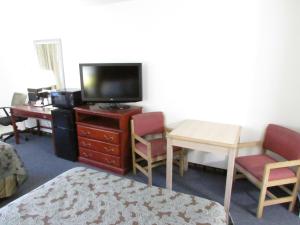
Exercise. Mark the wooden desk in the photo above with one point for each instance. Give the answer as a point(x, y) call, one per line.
point(30, 112)
point(209, 137)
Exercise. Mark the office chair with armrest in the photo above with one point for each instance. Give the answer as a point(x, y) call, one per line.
point(18, 99)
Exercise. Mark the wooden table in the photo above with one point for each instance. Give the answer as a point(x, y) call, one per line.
point(29, 112)
point(209, 137)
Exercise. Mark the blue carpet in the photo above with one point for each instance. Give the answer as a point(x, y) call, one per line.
point(42, 165)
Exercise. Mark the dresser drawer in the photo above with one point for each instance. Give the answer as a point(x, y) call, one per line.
point(99, 146)
point(99, 157)
point(98, 134)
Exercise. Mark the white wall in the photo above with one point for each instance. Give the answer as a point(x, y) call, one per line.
point(229, 61)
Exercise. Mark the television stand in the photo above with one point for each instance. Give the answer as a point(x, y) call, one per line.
point(104, 137)
point(112, 106)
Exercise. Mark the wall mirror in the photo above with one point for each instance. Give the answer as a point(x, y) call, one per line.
point(50, 61)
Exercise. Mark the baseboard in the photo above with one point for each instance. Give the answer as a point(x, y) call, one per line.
point(207, 168)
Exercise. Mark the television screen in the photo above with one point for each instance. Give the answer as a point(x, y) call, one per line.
point(113, 82)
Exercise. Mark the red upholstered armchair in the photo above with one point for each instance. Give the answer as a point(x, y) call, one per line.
point(149, 143)
point(265, 171)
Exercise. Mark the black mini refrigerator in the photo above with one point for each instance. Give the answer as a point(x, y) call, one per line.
point(64, 134)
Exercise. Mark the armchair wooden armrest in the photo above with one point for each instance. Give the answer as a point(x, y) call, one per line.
point(250, 144)
point(142, 140)
point(283, 164)
point(277, 165)
point(145, 142)
point(5, 110)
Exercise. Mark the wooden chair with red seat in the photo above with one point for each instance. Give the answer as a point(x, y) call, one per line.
point(265, 171)
point(151, 149)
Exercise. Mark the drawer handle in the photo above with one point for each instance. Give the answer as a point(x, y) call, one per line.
point(85, 133)
point(108, 138)
point(85, 144)
point(109, 149)
point(112, 162)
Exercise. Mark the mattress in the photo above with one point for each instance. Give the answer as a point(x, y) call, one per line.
point(86, 196)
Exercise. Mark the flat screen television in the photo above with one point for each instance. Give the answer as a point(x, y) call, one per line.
point(111, 82)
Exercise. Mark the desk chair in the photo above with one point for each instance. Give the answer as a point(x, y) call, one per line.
point(18, 99)
point(151, 150)
point(265, 171)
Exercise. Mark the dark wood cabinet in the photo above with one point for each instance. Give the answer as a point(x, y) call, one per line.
point(104, 137)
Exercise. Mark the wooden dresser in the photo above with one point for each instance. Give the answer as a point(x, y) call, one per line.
point(104, 137)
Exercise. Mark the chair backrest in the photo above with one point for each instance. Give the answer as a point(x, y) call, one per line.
point(148, 123)
point(18, 99)
point(282, 141)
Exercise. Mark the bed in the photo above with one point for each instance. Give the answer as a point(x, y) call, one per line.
point(86, 196)
point(12, 171)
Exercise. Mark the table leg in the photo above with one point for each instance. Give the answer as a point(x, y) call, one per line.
point(38, 125)
point(169, 164)
point(186, 163)
point(229, 179)
point(15, 127)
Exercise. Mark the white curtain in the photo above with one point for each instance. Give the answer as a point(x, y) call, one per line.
point(49, 59)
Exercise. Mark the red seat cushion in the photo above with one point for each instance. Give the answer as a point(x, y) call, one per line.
point(255, 165)
point(158, 147)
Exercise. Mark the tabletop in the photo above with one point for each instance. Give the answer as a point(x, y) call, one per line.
point(207, 132)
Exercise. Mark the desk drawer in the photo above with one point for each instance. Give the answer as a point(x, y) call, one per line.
point(32, 114)
point(98, 134)
point(99, 157)
point(99, 146)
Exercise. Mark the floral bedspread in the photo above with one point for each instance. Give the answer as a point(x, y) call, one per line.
point(12, 171)
point(86, 197)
